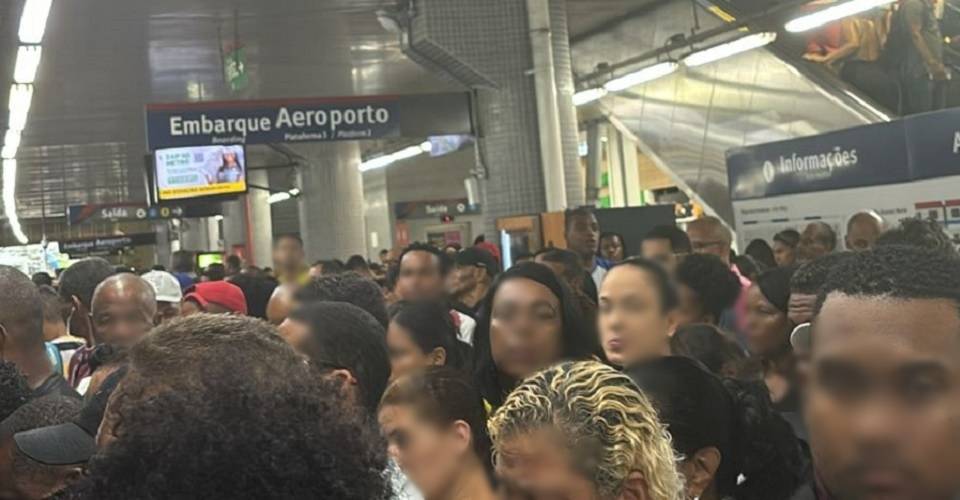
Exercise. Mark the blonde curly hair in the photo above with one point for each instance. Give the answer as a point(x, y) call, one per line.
point(604, 415)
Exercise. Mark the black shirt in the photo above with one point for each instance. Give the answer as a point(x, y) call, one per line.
point(57, 385)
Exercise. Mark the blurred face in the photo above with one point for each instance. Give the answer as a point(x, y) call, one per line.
point(813, 243)
point(166, 311)
point(883, 403)
point(660, 251)
point(767, 328)
point(784, 254)
point(464, 279)
point(526, 328)
point(862, 234)
point(420, 277)
point(122, 319)
point(691, 310)
point(430, 455)
point(539, 466)
point(583, 235)
point(709, 239)
point(405, 355)
point(287, 254)
point(611, 248)
point(633, 325)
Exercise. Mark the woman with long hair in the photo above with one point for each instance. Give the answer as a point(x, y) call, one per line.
point(422, 334)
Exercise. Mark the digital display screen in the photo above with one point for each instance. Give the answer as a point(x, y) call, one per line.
point(200, 171)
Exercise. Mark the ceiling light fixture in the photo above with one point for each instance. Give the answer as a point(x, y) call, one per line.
point(33, 21)
point(403, 154)
point(727, 49)
point(10, 200)
point(283, 196)
point(644, 75)
point(817, 19)
point(20, 97)
point(28, 59)
point(589, 95)
point(11, 142)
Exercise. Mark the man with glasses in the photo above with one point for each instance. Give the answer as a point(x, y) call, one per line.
point(665, 245)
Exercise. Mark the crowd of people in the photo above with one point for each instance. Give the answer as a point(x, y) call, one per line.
point(795, 370)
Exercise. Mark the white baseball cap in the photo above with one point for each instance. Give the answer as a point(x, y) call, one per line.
point(165, 285)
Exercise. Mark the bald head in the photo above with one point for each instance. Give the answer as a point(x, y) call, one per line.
point(21, 310)
point(863, 229)
point(122, 310)
point(708, 235)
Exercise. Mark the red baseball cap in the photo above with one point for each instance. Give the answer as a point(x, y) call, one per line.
point(221, 293)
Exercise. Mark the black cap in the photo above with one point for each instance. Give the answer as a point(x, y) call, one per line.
point(477, 257)
point(72, 443)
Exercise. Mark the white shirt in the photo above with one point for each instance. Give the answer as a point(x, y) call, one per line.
point(598, 274)
point(467, 326)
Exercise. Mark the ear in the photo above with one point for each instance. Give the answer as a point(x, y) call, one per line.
point(437, 357)
point(463, 434)
point(673, 322)
point(700, 469)
point(635, 487)
point(345, 376)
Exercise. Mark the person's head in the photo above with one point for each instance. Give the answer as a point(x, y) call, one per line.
point(77, 284)
point(358, 264)
point(20, 476)
point(530, 319)
point(123, 310)
point(883, 402)
point(733, 443)
point(522, 257)
point(54, 325)
point(237, 413)
point(351, 288)
point(637, 313)
point(383, 256)
point(818, 239)
point(168, 292)
point(184, 261)
point(288, 253)
point(715, 349)
point(326, 268)
point(565, 264)
point(612, 247)
point(213, 297)
point(234, 265)
point(761, 253)
point(767, 327)
point(473, 271)
point(709, 235)
point(863, 229)
point(21, 318)
point(257, 291)
point(665, 245)
point(281, 303)
point(42, 279)
point(922, 233)
point(14, 391)
point(582, 231)
point(345, 345)
point(436, 427)
point(785, 245)
point(706, 287)
point(806, 283)
point(422, 334)
point(583, 430)
point(423, 271)
point(215, 272)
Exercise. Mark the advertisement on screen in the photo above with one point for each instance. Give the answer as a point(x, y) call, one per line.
point(200, 171)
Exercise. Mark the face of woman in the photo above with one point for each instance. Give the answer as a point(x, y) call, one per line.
point(784, 255)
point(429, 455)
point(526, 328)
point(690, 310)
point(633, 325)
point(611, 248)
point(405, 354)
point(767, 328)
point(538, 466)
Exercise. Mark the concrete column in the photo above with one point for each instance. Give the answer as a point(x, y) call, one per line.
point(260, 220)
point(331, 203)
point(377, 213)
point(200, 235)
point(234, 224)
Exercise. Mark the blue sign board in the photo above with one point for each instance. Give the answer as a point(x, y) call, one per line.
point(933, 143)
point(272, 121)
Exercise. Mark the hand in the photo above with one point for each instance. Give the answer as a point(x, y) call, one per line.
point(817, 58)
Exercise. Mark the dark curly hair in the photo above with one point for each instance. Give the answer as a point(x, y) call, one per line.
point(810, 277)
point(716, 286)
point(923, 233)
point(221, 407)
point(442, 259)
point(346, 287)
point(702, 410)
point(14, 391)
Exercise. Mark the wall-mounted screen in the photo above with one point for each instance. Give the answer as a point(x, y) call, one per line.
point(195, 172)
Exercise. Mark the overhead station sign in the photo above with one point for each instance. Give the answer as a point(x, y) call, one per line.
point(272, 121)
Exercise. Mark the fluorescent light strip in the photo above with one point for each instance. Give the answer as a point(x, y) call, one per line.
point(11, 142)
point(644, 75)
point(10, 200)
point(724, 50)
point(20, 97)
point(283, 196)
point(389, 159)
point(28, 59)
point(33, 22)
point(589, 95)
point(830, 14)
